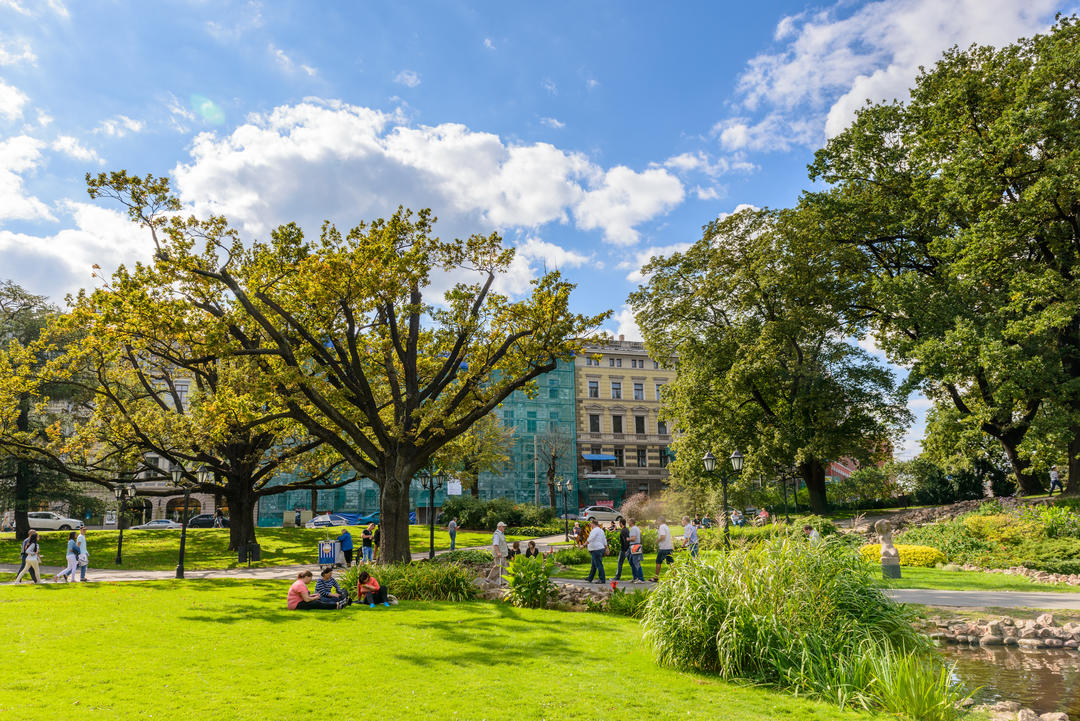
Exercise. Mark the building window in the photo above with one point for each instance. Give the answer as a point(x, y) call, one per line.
point(615, 362)
point(553, 393)
point(619, 458)
point(594, 423)
point(643, 488)
point(663, 456)
point(530, 426)
point(656, 365)
point(182, 394)
point(639, 391)
point(658, 387)
point(639, 424)
point(596, 450)
point(590, 361)
point(616, 390)
point(594, 389)
point(616, 424)
point(642, 458)
point(661, 427)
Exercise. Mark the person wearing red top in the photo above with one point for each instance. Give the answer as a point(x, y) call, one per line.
point(300, 599)
point(368, 589)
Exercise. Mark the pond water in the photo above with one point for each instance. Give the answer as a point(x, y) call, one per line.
point(1044, 680)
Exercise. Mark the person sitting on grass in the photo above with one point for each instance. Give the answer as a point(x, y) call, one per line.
point(762, 517)
point(327, 587)
point(368, 589)
point(737, 518)
point(531, 551)
point(301, 599)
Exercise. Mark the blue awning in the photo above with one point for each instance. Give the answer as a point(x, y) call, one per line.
point(597, 457)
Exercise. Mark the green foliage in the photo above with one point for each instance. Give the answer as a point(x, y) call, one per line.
point(914, 685)
point(529, 582)
point(952, 538)
point(821, 524)
point(921, 556)
point(477, 514)
point(552, 529)
point(630, 603)
point(1051, 565)
point(467, 557)
point(1004, 529)
point(571, 556)
point(789, 615)
point(1058, 521)
point(422, 581)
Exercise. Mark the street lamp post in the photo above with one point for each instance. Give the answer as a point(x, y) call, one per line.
point(178, 479)
point(563, 485)
point(122, 491)
point(431, 482)
point(736, 466)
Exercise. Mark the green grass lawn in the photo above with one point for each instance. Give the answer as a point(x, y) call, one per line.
point(207, 548)
point(229, 650)
point(936, 578)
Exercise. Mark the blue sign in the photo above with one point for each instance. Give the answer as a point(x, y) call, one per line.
point(328, 551)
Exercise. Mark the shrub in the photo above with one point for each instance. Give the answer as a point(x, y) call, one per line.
point(528, 582)
point(1070, 566)
point(1005, 529)
point(422, 581)
point(641, 508)
point(922, 556)
point(485, 515)
point(1057, 521)
point(628, 604)
point(468, 557)
point(571, 556)
point(951, 537)
point(791, 615)
point(822, 525)
point(535, 531)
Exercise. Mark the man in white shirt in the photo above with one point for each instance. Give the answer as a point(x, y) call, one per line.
point(665, 546)
point(596, 544)
point(499, 549)
point(690, 536)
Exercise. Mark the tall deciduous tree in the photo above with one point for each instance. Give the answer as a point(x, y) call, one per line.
point(755, 317)
point(345, 333)
point(965, 204)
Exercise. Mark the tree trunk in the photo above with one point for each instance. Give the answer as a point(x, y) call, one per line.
point(1029, 485)
point(394, 520)
point(1072, 484)
point(314, 502)
point(551, 485)
point(241, 514)
point(22, 476)
point(813, 474)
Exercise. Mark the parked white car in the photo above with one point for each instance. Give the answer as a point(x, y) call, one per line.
point(159, 524)
point(49, 521)
point(600, 513)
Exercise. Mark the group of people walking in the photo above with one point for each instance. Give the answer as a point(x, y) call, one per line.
point(76, 555)
point(330, 596)
point(631, 548)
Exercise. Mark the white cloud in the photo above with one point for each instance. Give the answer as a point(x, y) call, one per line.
point(71, 147)
point(626, 198)
point(14, 5)
point(638, 260)
point(625, 325)
point(408, 78)
point(55, 5)
point(489, 43)
point(179, 115)
point(119, 126)
point(707, 193)
point(314, 160)
point(549, 85)
point(16, 51)
point(552, 123)
point(19, 155)
point(286, 63)
point(591, 83)
point(835, 59)
point(704, 163)
point(59, 8)
point(63, 262)
point(12, 101)
point(555, 257)
point(246, 18)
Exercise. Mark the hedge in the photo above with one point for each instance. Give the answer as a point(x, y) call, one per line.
point(923, 556)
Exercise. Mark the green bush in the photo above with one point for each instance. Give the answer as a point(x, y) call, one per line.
point(552, 529)
point(920, 556)
point(951, 538)
point(529, 582)
point(571, 556)
point(788, 614)
point(1071, 566)
point(1057, 521)
point(628, 603)
point(423, 581)
point(821, 524)
point(485, 515)
point(468, 557)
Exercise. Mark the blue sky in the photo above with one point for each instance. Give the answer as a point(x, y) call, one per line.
point(592, 135)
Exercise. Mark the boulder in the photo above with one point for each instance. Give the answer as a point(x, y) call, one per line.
point(1030, 643)
point(1026, 714)
point(1046, 619)
point(1053, 642)
point(1054, 716)
point(1010, 640)
point(1071, 643)
point(994, 628)
point(991, 640)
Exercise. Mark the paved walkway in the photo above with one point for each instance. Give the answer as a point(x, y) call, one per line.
point(986, 599)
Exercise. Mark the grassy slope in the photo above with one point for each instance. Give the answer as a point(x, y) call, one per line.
point(229, 650)
point(208, 548)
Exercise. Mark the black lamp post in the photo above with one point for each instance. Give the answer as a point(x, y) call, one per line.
point(736, 466)
point(123, 491)
point(431, 482)
point(178, 479)
point(563, 485)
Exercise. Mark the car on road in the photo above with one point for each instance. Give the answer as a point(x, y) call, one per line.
point(369, 518)
point(205, 520)
point(157, 524)
point(49, 521)
point(327, 520)
point(600, 513)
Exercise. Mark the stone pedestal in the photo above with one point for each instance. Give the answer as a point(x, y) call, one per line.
point(890, 557)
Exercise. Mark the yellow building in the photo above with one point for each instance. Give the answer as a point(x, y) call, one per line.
point(621, 441)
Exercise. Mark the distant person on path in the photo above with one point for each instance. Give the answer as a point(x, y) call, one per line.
point(596, 544)
point(32, 562)
point(376, 538)
point(499, 550)
point(531, 551)
point(301, 599)
point(71, 555)
point(219, 519)
point(1055, 481)
point(451, 528)
point(327, 587)
point(737, 518)
point(32, 537)
point(84, 555)
point(812, 534)
point(345, 539)
point(368, 589)
point(367, 538)
point(624, 547)
point(637, 553)
point(690, 536)
point(296, 518)
point(665, 546)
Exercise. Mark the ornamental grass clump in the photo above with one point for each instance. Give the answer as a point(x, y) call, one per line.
point(424, 581)
point(802, 617)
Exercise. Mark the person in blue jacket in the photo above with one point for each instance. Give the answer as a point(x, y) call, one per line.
point(345, 539)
